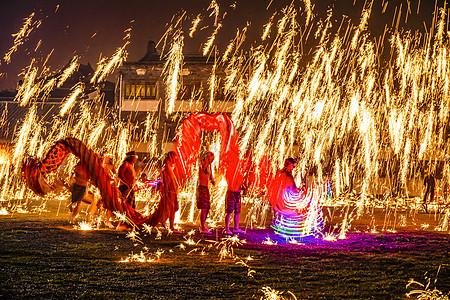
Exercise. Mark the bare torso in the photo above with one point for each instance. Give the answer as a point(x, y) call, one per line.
point(204, 174)
point(127, 174)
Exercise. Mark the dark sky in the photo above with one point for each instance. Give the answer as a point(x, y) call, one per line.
point(69, 29)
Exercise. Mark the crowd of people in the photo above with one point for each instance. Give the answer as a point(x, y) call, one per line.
point(126, 179)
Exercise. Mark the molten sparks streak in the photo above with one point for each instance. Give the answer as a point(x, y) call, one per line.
point(78, 90)
point(267, 28)
point(271, 294)
point(4, 157)
point(362, 25)
point(215, 7)
point(212, 86)
point(105, 66)
point(308, 8)
point(134, 236)
point(28, 90)
point(30, 121)
point(147, 228)
point(173, 67)
point(68, 71)
point(210, 41)
point(20, 37)
point(194, 25)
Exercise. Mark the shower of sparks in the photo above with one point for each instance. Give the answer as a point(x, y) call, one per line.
point(215, 11)
point(212, 86)
point(77, 91)
point(143, 257)
point(195, 23)
point(134, 236)
point(19, 37)
point(271, 294)
point(73, 67)
point(172, 70)
point(210, 41)
point(267, 28)
point(22, 137)
point(425, 291)
point(28, 90)
point(268, 241)
point(5, 157)
point(309, 8)
point(342, 111)
point(329, 237)
point(83, 226)
point(107, 66)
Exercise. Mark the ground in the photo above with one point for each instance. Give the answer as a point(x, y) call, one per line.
point(42, 256)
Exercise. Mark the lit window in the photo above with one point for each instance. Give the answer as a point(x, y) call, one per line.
point(140, 90)
point(150, 90)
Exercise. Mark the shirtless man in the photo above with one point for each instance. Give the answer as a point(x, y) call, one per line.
point(127, 178)
point(203, 196)
point(81, 178)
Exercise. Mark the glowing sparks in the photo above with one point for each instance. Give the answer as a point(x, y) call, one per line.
point(308, 8)
point(215, 11)
point(143, 257)
point(342, 112)
point(77, 91)
point(134, 236)
point(268, 241)
point(172, 69)
point(210, 40)
point(85, 226)
point(22, 137)
point(67, 72)
point(20, 36)
point(28, 90)
point(271, 294)
point(195, 23)
point(267, 28)
point(5, 156)
point(107, 66)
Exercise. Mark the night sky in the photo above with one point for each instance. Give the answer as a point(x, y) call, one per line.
point(92, 29)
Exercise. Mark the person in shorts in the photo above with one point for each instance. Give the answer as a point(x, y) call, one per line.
point(79, 190)
point(203, 196)
point(233, 204)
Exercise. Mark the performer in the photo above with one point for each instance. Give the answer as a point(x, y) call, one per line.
point(235, 173)
point(203, 196)
point(430, 183)
point(79, 191)
point(283, 180)
point(97, 204)
point(127, 178)
point(233, 204)
point(168, 204)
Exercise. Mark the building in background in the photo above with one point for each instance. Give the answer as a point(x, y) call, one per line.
point(12, 114)
point(143, 102)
